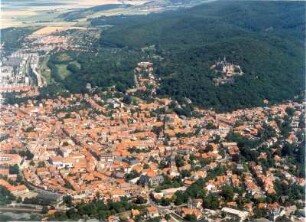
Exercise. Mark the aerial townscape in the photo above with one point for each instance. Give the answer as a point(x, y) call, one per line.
point(152, 111)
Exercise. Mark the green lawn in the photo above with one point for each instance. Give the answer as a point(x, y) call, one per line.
point(45, 70)
point(62, 71)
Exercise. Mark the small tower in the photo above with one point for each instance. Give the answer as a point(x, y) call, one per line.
point(189, 203)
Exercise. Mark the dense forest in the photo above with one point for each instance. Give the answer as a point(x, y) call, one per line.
point(108, 67)
point(266, 40)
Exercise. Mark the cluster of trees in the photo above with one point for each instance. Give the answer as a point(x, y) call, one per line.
point(95, 209)
point(186, 109)
point(140, 200)
point(190, 217)
point(196, 191)
point(295, 153)
point(169, 183)
point(136, 150)
point(52, 91)
point(67, 200)
point(37, 200)
point(14, 169)
point(245, 145)
point(116, 69)
point(293, 191)
point(13, 98)
point(179, 161)
point(133, 174)
point(5, 196)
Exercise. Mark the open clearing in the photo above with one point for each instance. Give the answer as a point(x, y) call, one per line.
point(42, 14)
point(62, 71)
point(52, 29)
point(45, 70)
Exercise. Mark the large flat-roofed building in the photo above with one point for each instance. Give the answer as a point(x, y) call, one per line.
point(3, 136)
point(9, 159)
point(243, 215)
point(13, 61)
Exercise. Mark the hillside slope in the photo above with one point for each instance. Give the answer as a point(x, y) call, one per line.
point(266, 39)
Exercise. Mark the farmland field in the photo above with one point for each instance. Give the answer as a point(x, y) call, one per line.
point(76, 13)
point(45, 12)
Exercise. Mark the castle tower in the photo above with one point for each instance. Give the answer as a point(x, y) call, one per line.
point(189, 203)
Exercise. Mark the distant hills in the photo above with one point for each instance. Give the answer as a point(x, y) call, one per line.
point(266, 39)
point(82, 13)
point(136, 7)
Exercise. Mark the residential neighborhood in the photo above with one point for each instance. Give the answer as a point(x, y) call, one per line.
point(105, 146)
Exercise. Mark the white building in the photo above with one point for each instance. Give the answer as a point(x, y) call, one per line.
point(243, 215)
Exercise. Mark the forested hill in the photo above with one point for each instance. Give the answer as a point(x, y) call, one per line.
point(209, 22)
point(265, 38)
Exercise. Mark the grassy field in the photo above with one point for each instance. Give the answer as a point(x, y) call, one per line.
point(28, 13)
point(62, 71)
point(45, 70)
point(70, 13)
point(59, 67)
